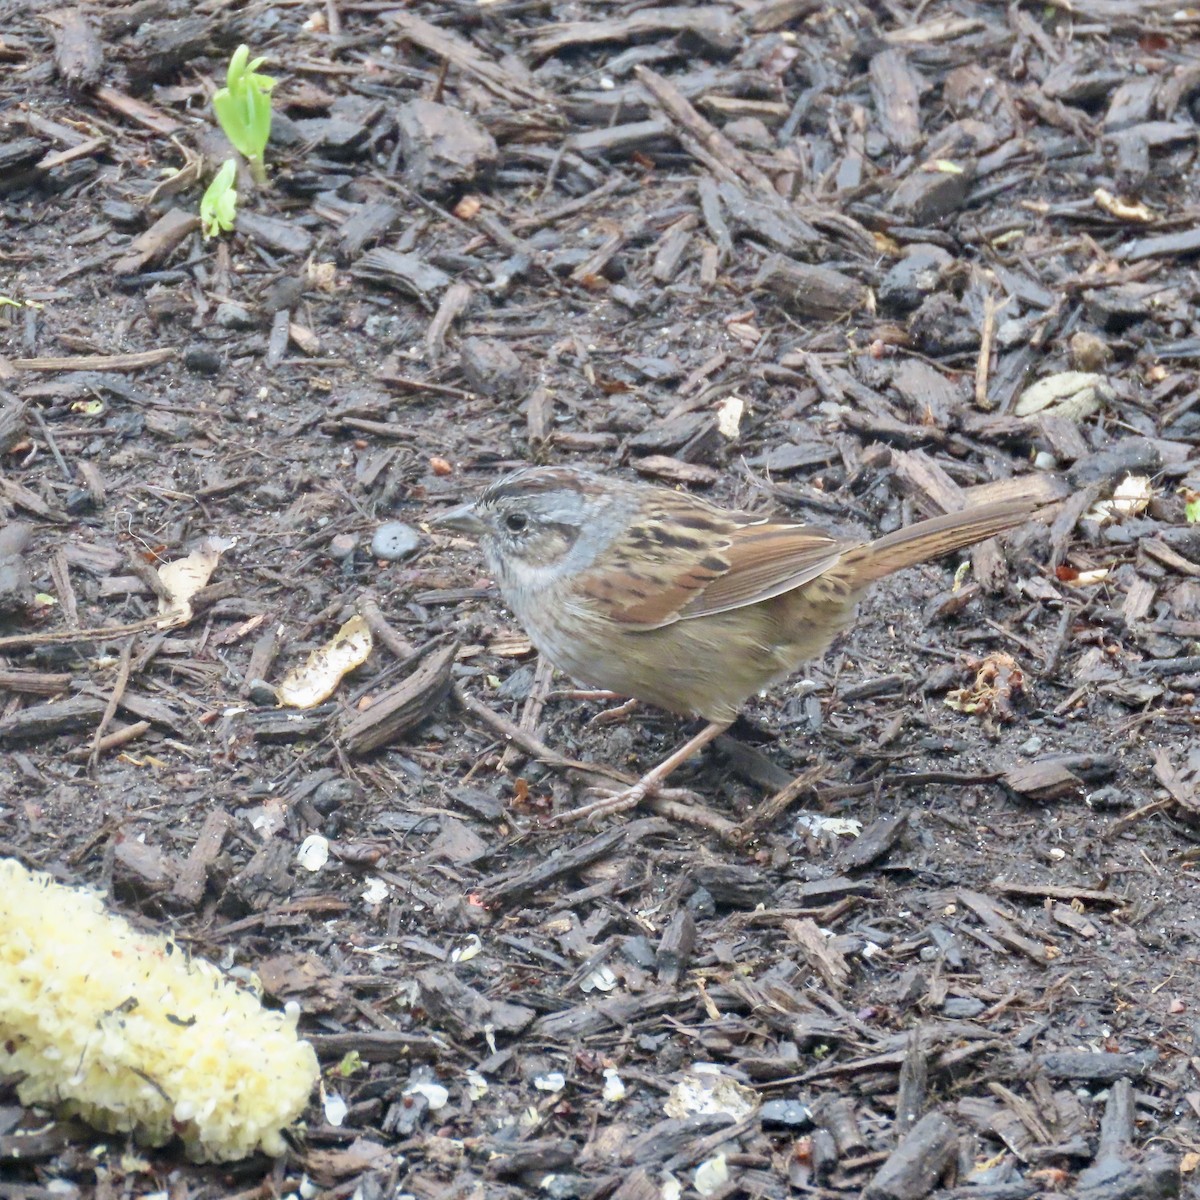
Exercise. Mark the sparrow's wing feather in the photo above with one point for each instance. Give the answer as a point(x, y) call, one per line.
point(765, 561)
point(686, 559)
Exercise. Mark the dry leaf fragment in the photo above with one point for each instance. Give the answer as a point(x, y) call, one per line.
point(315, 681)
point(1130, 497)
point(184, 577)
point(998, 679)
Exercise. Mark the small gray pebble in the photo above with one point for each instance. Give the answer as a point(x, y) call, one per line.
point(204, 360)
point(271, 493)
point(962, 1007)
point(341, 545)
point(788, 1114)
point(394, 540)
point(259, 691)
point(234, 316)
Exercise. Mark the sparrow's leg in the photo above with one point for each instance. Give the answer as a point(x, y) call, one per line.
point(631, 797)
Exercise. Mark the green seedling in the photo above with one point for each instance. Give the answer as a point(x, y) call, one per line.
point(218, 205)
point(243, 108)
point(1191, 506)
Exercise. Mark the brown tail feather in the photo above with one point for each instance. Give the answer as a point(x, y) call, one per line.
point(930, 539)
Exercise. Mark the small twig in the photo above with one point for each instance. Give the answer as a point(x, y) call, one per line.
point(983, 362)
point(51, 443)
point(535, 702)
point(533, 746)
point(66, 637)
point(766, 813)
point(110, 710)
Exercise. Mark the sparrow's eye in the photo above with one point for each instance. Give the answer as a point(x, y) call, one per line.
point(515, 522)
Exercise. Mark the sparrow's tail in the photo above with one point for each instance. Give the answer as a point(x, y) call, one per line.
point(933, 538)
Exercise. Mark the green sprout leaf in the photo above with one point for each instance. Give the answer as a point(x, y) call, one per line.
point(1191, 508)
point(243, 107)
point(218, 205)
point(350, 1063)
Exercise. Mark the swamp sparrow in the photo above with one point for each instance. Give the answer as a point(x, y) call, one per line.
point(664, 597)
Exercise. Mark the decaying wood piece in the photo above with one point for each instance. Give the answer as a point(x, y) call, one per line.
point(51, 719)
point(810, 290)
point(927, 1152)
point(517, 88)
point(701, 139)
point(715, 27)
point(192, 876)
point(401, 707)
point(156, 243)
point(78, 56)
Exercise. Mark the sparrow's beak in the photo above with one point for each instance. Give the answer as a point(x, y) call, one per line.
point(464, 518)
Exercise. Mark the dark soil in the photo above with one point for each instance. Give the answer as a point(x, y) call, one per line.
point(596, 226)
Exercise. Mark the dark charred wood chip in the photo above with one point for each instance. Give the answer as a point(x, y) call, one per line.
point(1131, 456)
point(673, 1136)
point(927, 1152)
point(810, 290)
point(465, 1012)
point(499, 890)
point(491, 368)
point(875, 841)
point(45, 1141)
point(625, 139)
point(1119, 308)
point(1165, 245)
point(896, 90)
point(836, 1115)
point(404, 273)
point(1044, 782)
point(20, 152)
point(916, 275)
point(13, 426)
point(442, 147)
point(943, 326)
point(732, 885)
point(51, 719)
point(542, 1155)
point(933, 191)
point(78, 55)
point(675, 433)
point(786, 1114)
point(1131, 161)
point(949, 604)
point(674, 470)
point(263, 882)
point(1083, 1066)
point(376, 1045)
point(794, 456)
point(16, 584)
point(274, 234)
point(777, 225)
point(161, 48)
point(708, 27)
point(279, 727)
point(639, 1184)
point(367, 224)
point(599, 1015)
point(329, 1168)
point(141, 870)
point(675, 948)
point(1001, 927)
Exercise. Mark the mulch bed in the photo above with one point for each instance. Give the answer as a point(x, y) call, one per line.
point(928, 926)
